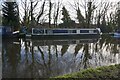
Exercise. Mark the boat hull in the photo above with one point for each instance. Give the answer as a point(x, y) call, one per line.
point(62, 42)
point(72, 36)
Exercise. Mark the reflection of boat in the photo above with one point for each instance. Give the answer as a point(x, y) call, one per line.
point(11, 41)
point(116, 40)
point(63, 42)
point(65, 33)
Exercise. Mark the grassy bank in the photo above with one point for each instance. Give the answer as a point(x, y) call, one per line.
point(112, 71)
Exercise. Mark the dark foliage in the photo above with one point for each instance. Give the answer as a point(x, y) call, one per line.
point(10, 15)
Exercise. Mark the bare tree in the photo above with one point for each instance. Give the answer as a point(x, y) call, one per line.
point(89, 7)
point(94, 12)
point(50, 8)
point(25, 9)
point(0, 15)
point(80, 18)
point(41, 12)
point(33, 11)
point(103, 17)
point(89, 12)
point(118, 15)
point(56, 12)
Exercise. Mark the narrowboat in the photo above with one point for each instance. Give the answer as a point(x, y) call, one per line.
point(65, 33)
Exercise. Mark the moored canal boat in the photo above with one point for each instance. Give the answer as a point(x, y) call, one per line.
point(59, 33)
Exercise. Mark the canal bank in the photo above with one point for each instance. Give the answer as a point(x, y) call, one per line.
point(112, 71)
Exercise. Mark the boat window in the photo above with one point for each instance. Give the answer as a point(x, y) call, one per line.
point(96, 31)
point(91, 31)
point(72, 31)
point(38, 31)
point(41, 31)
point(84, 31)
point(35, 31)
point(60, 31)
point(46, 31)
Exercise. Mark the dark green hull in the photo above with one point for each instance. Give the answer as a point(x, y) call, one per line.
point(71, 36)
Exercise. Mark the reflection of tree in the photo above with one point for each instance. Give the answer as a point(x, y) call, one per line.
point(32, 64)
point(105, 50)
point(4, 48)
point(56, 51)
point(85, 59)
point(86, 55)
point(77, 48)
point(57, 63)
point(110, 44)
point(12, 57)
point(49, 61)
point(42, 56)
point(41, 63)
point(47, 65)
point(96, 47)
point(101, 42)
point(64, 49)
point(44, 63)
point(26, 52)
point(106, 40)
point(114, 47)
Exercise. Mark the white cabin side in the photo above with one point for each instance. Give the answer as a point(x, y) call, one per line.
point(78, 31)
point(37, 31)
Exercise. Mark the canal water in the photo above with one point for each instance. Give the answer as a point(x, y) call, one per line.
point(28, 58)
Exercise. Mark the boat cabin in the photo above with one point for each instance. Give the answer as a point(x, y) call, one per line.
point(37, 31)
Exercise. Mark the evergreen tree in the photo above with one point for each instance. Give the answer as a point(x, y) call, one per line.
point(80, 18)
point(10, 15)
point(118, 18)
point(103, 24)
point(67, 22)
point(90, 8)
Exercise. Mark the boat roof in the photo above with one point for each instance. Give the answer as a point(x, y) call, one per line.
point(66, 28)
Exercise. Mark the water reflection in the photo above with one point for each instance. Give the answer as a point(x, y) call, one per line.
point(11, 58)
point(48, 58)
